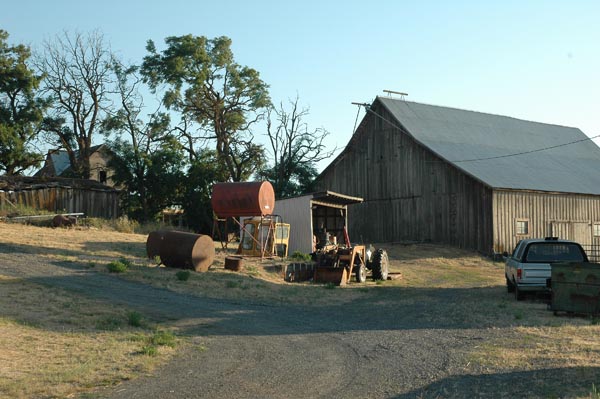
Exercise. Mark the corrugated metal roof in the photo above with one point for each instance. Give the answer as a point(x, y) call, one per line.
point(458, 135)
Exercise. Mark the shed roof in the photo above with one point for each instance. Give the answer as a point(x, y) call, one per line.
point(482, 145)
point(333, 199)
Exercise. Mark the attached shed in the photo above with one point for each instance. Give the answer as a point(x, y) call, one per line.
point(479, 181)
point(315, 214)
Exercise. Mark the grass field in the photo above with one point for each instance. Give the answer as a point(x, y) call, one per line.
point(55, 343)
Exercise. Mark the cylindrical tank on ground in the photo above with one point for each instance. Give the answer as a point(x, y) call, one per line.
point(243, 199)
point(154, 243)
point(182, 250)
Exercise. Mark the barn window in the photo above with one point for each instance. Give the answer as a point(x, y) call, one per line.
point(522, 227)
point(596, 229)
point(102, 176)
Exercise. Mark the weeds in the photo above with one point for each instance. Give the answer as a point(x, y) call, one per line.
point(135, 319)
point(109, 323)
point(330, 286)
point(301, 257)
point(116, 267)
point(233, 284)
point(183, 275)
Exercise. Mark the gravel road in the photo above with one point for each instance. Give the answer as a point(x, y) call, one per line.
point(358, 350)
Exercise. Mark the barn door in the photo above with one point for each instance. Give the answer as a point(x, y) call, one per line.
point(582, 233)
point(561, 230)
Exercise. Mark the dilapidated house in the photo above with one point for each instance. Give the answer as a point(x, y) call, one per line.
point(470, 179)
point(57, 164)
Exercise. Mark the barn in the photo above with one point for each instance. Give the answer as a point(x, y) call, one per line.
point(469, 179)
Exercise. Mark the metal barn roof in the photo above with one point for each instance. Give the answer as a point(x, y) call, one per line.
point(463, 138)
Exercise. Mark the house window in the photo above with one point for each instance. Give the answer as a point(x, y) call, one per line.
point(522, 227)
point(102, 176)
point(596, 229)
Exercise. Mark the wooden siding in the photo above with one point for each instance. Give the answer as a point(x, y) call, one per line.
point(93, 203)
point(410, 194)
point(568, 216)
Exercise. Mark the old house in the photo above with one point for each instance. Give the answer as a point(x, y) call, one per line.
point(57, 164)
point(475, 180)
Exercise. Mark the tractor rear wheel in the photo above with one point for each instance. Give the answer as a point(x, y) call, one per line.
point(380, 265)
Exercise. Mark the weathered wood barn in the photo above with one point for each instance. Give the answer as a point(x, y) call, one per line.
point(59, 195)
point(470, 179)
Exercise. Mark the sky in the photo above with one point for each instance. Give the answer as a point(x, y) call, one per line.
point(533, 60)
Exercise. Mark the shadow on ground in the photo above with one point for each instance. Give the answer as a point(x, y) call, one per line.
point(544, 383)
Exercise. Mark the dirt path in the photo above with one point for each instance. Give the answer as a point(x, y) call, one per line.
point(369, 349)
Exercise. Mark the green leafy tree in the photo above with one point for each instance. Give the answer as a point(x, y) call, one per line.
point(201, 176)
point(147, 161)
point(218, 100)
point(78, 79)
point(161, 181)
point(21, 112)
point(295, 150)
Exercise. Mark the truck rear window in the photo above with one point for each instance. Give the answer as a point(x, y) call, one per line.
point(554, 252)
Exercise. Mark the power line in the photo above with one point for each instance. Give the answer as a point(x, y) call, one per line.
point(368, 109)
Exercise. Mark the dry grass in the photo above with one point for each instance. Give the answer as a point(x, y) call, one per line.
point(54, 343)
point(53, 337)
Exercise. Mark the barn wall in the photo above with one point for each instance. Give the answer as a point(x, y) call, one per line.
point(567, 216)
point(93, 203)
point(409, 193)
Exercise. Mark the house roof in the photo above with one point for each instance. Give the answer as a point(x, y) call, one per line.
point(482, 145)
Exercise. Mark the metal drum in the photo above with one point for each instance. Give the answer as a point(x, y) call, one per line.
point(182, 250)
point(243, 199)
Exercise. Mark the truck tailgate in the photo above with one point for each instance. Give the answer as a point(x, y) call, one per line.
point(536, 273)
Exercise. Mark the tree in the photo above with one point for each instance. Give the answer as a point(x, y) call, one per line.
point(21, 112)
point(201, 176)
point(217, 99)
point(295, 150)
point(78, 75)
point(147, 161)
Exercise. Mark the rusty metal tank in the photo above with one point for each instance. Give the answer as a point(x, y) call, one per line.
point(182, 250)
point(243, 199)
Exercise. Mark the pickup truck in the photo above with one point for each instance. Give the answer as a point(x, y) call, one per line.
point(529, 266)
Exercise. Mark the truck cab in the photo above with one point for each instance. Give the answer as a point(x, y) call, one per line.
point(530, 265)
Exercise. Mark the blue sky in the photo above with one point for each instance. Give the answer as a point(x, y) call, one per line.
point(535, 60)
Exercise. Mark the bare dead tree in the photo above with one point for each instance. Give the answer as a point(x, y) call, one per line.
point(77, 80)
point(295, 149)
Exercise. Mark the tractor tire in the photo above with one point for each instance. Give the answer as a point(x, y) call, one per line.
point(380, 265)
point(361, 273)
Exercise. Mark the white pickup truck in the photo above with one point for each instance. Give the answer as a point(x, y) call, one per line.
point(529, 266)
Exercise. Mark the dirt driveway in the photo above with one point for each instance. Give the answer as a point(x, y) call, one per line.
point(397, 343)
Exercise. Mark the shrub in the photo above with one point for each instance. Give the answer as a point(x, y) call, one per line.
point(149, 350)
point(116, 267)
point(163, 338)
point(183, 275)
point(302, 257)
point(135, 319)
point(126, 225)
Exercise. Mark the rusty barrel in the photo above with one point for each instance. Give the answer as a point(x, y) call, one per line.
point(154, 243)
point(243, 199)
point(182, 250)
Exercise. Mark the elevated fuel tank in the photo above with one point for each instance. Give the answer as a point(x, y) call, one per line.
point(243, 199)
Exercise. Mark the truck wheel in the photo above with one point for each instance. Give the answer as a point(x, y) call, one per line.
point(510, 287)
point(518, 293)
point(361, 273)
point(380, 265)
